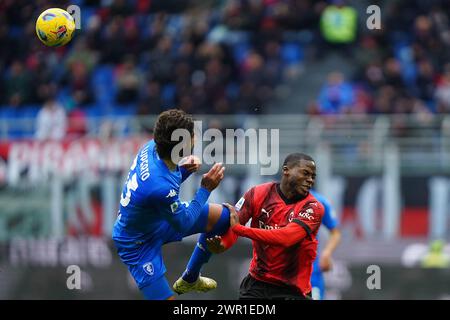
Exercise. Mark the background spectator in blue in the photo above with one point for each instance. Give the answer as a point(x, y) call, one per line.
point(336, 96)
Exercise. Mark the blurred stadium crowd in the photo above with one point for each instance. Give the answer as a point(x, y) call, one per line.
point(223, 57)
point(229, 57)
point(403, 68)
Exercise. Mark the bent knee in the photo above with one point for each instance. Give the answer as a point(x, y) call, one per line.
point(215, 212)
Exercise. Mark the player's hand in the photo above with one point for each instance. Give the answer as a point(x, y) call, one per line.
point(190, 163)
point(215, 245)
point(212, 178)
point(325, 262)
point(234, 218)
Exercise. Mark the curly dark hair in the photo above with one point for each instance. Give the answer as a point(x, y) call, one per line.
point(165, 125)
point(295, 158)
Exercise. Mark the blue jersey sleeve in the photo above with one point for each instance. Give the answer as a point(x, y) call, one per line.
point(184, 174)
point(182, 217)
point(329, 219)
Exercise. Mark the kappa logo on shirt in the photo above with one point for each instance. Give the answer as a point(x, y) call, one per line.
point(172, 193)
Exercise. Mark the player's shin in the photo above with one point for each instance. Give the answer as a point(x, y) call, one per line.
point(199, 257)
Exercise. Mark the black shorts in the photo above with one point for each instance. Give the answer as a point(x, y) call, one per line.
point(252, 289)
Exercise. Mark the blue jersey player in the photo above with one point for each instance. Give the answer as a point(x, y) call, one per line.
point(322, 262)
point(151, 213)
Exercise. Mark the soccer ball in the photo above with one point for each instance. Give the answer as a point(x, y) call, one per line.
point(55, 27)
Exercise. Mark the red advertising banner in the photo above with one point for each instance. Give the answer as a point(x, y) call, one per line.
point(36, 161)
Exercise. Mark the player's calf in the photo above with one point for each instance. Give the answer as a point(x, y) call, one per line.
point(217, 223)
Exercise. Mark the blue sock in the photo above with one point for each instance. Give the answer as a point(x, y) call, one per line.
point(201, 254)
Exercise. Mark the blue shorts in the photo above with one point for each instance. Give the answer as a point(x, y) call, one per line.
point(157, 290)
point(145, 261)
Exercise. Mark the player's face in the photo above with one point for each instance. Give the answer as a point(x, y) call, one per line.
point(302, 176)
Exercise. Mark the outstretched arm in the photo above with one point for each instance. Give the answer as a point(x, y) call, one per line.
point(286, 237)
point(293, 233)
point(182, 218)
point(332, 243)
point(332, 224)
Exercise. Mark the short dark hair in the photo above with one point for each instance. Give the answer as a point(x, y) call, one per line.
point(295, 158)
point(167, 122)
